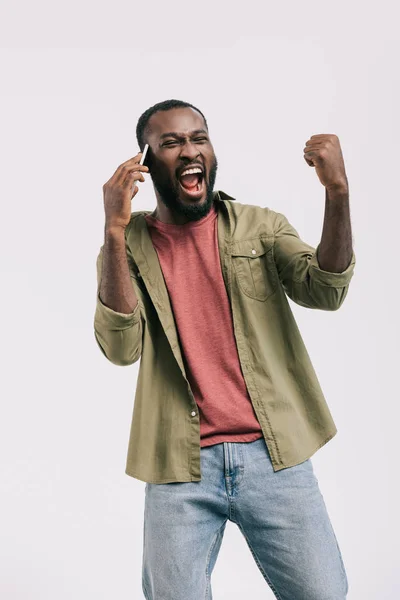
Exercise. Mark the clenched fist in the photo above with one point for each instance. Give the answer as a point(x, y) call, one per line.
point(324, 153)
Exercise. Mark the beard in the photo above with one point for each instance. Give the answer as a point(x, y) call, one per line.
point(169, 191)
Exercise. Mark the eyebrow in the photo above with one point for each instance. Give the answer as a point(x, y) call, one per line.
point(179, 136)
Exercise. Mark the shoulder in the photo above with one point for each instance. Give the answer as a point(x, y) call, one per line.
point(134, 218)
point(261, 219)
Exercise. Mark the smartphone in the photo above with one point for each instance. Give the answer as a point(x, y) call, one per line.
point(142, 161)
point(144, 154)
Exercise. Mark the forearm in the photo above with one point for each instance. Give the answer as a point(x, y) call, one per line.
point(116, 289)
point(336, 248)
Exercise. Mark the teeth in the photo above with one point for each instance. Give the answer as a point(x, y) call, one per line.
point(191, 171)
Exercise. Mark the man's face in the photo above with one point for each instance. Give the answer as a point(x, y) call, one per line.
point(178, 140)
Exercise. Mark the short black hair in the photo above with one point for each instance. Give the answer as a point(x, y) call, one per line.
point(165, 105)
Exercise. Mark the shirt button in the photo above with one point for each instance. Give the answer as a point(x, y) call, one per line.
point(193, 413)
point(254, 251)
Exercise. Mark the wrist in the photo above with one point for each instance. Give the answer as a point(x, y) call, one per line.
point(114, 230)
point(340, 188)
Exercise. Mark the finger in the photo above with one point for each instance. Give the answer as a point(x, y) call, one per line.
point(127, 169)
point(127, 165)
point(316, 150)
point(322, 135)
point(313, 150)
point(132, 177)
point(315, 145)
point(314, 159)
point(134, 191)
point(135, 187)
point(131, 161)
point(135, 159)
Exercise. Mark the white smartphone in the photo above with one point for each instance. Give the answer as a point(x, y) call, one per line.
point(144, 154)
point(140, 163)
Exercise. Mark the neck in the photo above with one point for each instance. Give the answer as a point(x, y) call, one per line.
point(164, 214)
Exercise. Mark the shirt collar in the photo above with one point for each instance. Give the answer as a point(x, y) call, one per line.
point(220, 195)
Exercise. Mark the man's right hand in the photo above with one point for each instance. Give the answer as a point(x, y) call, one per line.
point(118, 192)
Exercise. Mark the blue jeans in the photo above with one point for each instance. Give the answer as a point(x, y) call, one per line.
point(282, 516)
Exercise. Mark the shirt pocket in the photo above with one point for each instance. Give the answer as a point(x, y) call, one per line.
point(254, 265)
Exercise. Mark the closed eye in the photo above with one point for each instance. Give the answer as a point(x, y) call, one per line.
point(173, 142)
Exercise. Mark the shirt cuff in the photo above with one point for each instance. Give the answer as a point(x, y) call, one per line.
point(113, 319)
point(328, 278)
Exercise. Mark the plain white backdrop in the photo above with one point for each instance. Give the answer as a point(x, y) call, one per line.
point(74, 80)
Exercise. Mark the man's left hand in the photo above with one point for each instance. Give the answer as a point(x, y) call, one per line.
point(323, 152)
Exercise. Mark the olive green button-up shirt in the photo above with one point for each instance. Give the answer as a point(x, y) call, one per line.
point(263, 260)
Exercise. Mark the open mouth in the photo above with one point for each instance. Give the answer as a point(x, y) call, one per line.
point(193, 184)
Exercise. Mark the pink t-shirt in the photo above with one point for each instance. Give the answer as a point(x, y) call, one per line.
point(189, 259)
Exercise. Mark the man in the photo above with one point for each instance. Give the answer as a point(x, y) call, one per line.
point(228, 409)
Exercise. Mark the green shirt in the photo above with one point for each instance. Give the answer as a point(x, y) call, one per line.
point(263, 260)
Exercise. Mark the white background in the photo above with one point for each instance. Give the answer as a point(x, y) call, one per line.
point(74, 80)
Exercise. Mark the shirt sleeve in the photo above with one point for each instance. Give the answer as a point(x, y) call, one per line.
point(118, 335)
point(300, 273)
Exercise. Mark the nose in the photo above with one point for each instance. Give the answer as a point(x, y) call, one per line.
point(189, 151)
